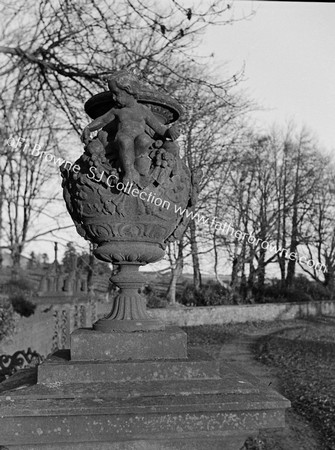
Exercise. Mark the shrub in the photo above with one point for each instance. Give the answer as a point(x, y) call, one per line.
point(19, 286)
point(154, 299)
point(302, 290)
point(18, 292)
point(6, 318)
point(210, 294)
point(22, 306)
point(315, 290)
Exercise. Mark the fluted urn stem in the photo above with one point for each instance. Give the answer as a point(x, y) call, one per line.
point(129, 311)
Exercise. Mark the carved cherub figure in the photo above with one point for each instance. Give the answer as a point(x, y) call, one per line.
point(133, 120)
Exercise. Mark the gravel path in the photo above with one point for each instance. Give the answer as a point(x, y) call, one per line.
point(298, 434)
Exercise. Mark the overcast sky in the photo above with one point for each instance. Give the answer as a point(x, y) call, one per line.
point(289, 53)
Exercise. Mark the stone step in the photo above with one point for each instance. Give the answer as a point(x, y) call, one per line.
point(177, 413)
point(134, 390)
point(37, 404)
point(59, 368)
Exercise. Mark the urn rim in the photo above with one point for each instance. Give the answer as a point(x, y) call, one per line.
point(101, 103)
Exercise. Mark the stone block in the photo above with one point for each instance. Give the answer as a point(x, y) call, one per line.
point(60, 368)
point(234, 442)
point(181, 417)
point(92, 345)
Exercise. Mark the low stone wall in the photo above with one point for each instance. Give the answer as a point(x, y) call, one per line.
point(50, 326)
point(242, 313)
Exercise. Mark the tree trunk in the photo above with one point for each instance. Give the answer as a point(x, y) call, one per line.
point(261, 274)
point(282, 241)
point(195, 257)
point(234, 295)
point(176, 271)
point(16, 258)
point(251, 279)
point(329, 276)
point(216, 260)
point(293, 247)
point(294, 233)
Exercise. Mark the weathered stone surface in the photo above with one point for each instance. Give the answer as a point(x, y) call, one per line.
point(182, 383)
point(166, 413)
point(185, 381)
point(92, 345)
point(216, 443)
point(152, 389)
point(28, 421)
point(59, 368)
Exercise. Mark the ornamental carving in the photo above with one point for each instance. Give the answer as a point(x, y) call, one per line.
point(130, 182)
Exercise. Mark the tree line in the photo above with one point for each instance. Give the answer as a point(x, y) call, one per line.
point(277, 188)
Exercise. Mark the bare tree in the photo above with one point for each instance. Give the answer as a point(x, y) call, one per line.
point(54, 55)
point(269, 193)
point(318, 238)
point(26, 193)
point(209, 126)
point(175, 252)
point(57, 52)
point(300, 170)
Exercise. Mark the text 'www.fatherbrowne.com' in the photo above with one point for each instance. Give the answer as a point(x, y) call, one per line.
point(149, 197)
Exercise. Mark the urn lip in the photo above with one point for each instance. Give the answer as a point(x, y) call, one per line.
point(100, 103)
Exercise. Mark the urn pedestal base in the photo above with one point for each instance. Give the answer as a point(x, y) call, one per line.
point(92, 345)
point(129, 313)
point(134, 402)
point(128, 326)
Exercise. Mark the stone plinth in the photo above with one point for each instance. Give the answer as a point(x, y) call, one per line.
point(183, 402)
point(60, 368)
point(92, 345)
point(177, 414)
point(97, 421)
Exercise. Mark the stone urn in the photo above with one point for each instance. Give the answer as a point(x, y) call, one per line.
point(130, 219)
